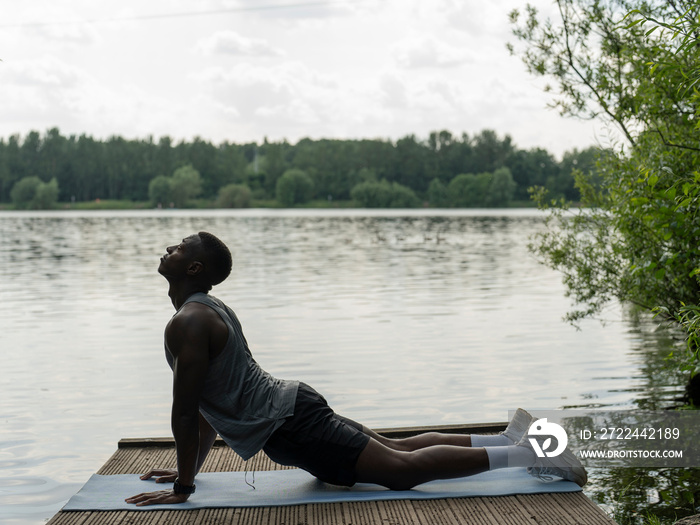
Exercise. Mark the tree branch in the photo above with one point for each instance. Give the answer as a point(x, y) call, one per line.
point(671, 144)
point(570, 61)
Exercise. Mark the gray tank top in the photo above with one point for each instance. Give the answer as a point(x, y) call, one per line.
point(242, 402)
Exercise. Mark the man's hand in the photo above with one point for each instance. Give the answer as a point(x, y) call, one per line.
point(162, 475)
point(156, 498)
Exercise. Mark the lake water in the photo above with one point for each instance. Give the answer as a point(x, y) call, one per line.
point(398, 317)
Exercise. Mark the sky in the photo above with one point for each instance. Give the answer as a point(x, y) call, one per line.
point(244, 70)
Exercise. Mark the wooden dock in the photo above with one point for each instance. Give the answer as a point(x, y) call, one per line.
point(135, 456)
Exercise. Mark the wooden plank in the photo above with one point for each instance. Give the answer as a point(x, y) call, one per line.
point(134, 456)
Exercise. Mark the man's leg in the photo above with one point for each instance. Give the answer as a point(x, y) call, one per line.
point(516, 428)
point(428, 439)
point(402, 470)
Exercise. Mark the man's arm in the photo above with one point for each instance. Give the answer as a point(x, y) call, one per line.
point(188, 338)
point(207, 436)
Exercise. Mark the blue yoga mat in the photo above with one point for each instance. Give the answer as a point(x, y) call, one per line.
point(297, 487)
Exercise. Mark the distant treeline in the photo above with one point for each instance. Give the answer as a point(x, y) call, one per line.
point(444, 170)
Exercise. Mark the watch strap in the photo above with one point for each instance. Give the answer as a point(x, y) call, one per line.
point(179, 488)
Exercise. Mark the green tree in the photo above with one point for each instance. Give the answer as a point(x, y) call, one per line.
point(24, 190)
point(533, 167)
point(230, 165)
point(437, 194)
point(54, 151)
point(633, 64)
point(294, 187)
point(85, 168)
point(186, 184)
point(12, 169)
point(468, 190)
point(446, 154)
point(274, 163)
point(403, 197)
point(489, 152)
point(234, 196)
point(583, 161)
point(163, 156)
point(32, 193)
point(367, 175)
point(46, 195)
point(5, 175)
point(117, 168)
point(501, 188)
point(412, 164)
point(30, 153)
point(379, 156)
point(372, 194)
point(384, 194)
point(160, 191)
point(201, 157)
point(120, 169)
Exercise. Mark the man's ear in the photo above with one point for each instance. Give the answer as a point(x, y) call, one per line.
point(195, 268)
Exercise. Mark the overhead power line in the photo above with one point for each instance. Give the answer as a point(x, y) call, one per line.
point(185, 14)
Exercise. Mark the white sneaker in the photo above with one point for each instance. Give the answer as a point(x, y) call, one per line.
point(518, 426)
point(565, 466)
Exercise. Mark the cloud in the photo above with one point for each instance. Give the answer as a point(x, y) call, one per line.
point(283, 81)
point(428, 94)
point(49, 92)
point(43, 72)
point(426, 51)
point(245, 69)
point(44, 92)
point(393, 91)
point(231, 43)
point(289, 99)
point(318, 9)
point(75, 34)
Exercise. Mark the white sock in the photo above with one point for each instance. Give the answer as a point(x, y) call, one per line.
point(496, 440)
point(510, 456)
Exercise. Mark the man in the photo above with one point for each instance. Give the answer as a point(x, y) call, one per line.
point(219, 388)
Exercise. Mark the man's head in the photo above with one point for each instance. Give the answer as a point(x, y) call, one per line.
point(217, 256)
point(201, 257)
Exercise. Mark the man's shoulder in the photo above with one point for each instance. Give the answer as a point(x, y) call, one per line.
point(193, 311)
point(196, 321)
point(192, 322)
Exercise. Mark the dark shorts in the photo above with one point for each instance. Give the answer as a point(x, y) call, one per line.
point(318, 440)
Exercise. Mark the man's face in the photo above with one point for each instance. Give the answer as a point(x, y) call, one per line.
point(179, 257)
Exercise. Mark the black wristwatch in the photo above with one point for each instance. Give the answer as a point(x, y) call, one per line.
point(178, 488)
